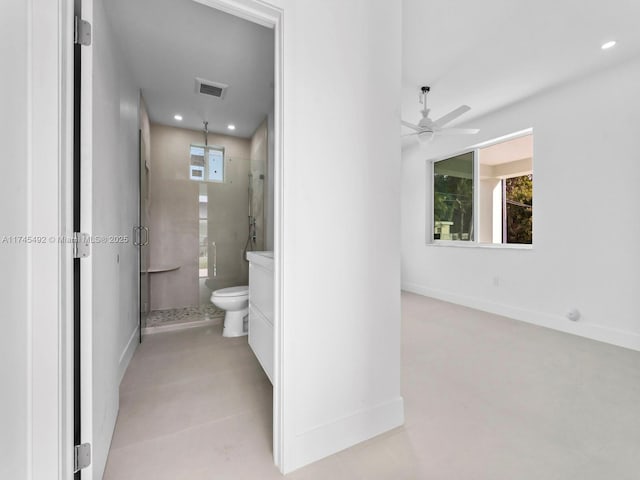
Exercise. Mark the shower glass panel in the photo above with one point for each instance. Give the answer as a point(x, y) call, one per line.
point(257, 192)
point(203, 251)
point(144, 249)
point(227, 211)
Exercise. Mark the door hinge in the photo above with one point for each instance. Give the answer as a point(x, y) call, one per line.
point(82, 32)
point(81, 245)
point(81, 457)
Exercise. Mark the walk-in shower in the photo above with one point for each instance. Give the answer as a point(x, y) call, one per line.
point(207, 210)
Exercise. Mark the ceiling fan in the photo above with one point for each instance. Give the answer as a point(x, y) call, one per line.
point(426, 128)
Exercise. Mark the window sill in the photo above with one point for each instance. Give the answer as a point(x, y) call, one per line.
point(490, 246)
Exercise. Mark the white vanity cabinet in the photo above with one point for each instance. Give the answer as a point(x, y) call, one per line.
point(261, 308)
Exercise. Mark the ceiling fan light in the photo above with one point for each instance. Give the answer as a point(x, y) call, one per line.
point(425, 137)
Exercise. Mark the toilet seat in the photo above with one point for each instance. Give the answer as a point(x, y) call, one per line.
point(232, 291)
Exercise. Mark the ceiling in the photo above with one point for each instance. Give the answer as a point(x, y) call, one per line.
point(491, 53)
point(167, 43)
point(486, 54)
point(509, 151)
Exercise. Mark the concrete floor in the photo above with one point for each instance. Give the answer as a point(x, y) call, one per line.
point(486, 398)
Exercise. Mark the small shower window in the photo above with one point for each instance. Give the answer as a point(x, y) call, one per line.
point(206, 163)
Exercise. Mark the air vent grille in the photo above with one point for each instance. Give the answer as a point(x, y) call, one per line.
point(211, 90)
point(207, 87)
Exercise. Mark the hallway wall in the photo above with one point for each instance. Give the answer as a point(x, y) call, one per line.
point(341, 228)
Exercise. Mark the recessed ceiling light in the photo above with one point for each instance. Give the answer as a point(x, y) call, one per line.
point(178, 117)
point(231, 126)
point(608, 45)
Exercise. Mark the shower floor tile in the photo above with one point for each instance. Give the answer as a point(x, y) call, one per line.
point(160, 318)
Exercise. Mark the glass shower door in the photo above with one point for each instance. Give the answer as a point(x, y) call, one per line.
point(143, 235)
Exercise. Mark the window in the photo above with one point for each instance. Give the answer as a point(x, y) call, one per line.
point(453, 198)
point(206, 164)
point(485, 195)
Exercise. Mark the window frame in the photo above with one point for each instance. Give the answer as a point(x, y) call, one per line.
point(475, 243)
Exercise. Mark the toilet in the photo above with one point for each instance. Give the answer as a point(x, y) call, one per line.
point(235, 302)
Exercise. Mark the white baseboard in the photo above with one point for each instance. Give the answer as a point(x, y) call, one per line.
point(343, 433)
point(128, 352)
point(592, 331)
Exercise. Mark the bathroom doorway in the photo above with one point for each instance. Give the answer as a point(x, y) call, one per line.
point(207, 135)
point(106, 77)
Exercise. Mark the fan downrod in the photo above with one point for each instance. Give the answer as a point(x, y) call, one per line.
point(423, 99)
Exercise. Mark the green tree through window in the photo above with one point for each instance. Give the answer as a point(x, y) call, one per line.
point(519, 205)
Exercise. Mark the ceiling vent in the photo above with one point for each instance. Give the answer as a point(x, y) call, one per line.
point(207, 87)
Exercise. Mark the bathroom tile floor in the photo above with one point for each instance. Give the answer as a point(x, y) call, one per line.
point(486, 398)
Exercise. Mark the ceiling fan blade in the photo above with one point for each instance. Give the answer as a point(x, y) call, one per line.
point(458, 131)
point(451, 116)
point(411, 126)
point(410, 134)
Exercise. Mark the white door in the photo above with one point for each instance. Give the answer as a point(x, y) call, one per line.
point(109, 193)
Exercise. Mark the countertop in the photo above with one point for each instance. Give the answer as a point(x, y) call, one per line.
point(264, 259)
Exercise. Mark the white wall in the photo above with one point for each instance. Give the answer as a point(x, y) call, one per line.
point(341, 237)
point(110, 207)
point(35, 429)
point(585, 220)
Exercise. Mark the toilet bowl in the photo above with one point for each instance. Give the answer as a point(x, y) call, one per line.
point(235, 302)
